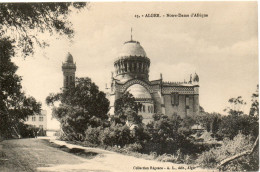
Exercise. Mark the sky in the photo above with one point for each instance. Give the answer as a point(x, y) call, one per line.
point(221, 48)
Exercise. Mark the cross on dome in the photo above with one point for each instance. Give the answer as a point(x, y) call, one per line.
point(131, 34)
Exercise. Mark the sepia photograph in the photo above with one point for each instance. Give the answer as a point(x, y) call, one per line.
point(129, 86)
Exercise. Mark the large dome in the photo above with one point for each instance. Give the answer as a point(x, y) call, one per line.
point(132, 48)
point(138, 91)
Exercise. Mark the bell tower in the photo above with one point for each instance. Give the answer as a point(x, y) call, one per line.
point(68, 69)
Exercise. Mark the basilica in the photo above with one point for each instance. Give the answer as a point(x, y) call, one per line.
point(131, 73)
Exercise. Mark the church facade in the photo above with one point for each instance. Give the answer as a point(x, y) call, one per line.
point(132, 74)
point(158, 96)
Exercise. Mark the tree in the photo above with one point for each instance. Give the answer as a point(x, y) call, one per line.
point(23, 22)
point(15, 106)
point(254, 110)
point(165, 135)
point(236, 106)
point(20, 24)
point(126, 109)
point(237, 121)
point(81, 107)
point(231, 125)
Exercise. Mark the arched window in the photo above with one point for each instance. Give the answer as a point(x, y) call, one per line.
point(148, 109)
point(143, 108)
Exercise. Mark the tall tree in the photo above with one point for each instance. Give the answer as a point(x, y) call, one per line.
point(20, 24)
point(80, 107)
point(15, 107)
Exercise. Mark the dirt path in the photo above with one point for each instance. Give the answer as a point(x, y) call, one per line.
point(36, 155)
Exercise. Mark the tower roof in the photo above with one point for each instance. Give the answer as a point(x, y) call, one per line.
point(69, 58)
point(132, 48)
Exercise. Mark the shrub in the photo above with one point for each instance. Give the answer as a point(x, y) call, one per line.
point(92, 135)
point(208, 159)
point(229, 148)
point(167, 158)
point(188, 159)
point(116, 135)
point(135, 147)
point(29, 131)
point(166, 135)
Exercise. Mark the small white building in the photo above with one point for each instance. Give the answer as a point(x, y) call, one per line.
point(38, 120)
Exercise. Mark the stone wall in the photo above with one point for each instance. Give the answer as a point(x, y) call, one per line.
point(181, 109)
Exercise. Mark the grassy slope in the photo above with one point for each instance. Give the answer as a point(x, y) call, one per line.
point(28, 154)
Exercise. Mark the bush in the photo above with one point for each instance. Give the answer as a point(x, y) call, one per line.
point(178, 157)
point(29, 131)
point(167, 158)
point(188, 159)
point(208, 159)
point(229, 148)
point(116, 135)
point(135, 147)
point(93, 135)
point(167, 136)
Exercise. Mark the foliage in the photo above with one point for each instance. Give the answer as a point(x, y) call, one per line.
point(254, 110)
point(165, 135)
point(236, 121)
point(20, 24)
point(246, 163)
point(236, 106)
point(118, 135)
point(93, 135)
point(29, 131)
point(15, 105)
point(126, 109)
point(231, 125)
point(140, 135)
point(229, 147)
point(135, 147)
point(23, 21)
point(167, 158)
point(81, 107)
point(210, 121)
point(185, 125)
